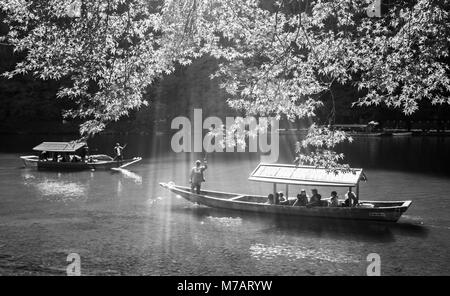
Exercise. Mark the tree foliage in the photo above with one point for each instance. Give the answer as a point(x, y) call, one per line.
point(276, 59)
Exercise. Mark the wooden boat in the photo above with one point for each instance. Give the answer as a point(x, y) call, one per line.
point(66, 156)
point(365, 134)
point(292, 131)
point(360, 130)
point(389, 211)
point(402, 134)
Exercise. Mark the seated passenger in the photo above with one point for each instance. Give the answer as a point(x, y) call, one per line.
point(43, 155)
point(83, 153)
point(277, 199)
point(302, 199)
point(270, 199)
point(315, 199)
point(283, 200)
point(351, 200)
point(334, 200)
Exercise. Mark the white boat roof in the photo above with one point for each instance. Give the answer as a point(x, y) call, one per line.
point(59, 146)
point(305, 175)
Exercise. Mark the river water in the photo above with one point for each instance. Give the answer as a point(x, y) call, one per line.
point(123, 223)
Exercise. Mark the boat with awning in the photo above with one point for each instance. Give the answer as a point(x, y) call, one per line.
point(292, 177)
point(71, 156)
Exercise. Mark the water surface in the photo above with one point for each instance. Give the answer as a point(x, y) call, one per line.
point(123, 223)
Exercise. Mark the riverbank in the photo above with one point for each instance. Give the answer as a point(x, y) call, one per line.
point(70, 128)
point(385, 132)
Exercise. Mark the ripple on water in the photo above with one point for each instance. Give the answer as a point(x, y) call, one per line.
point(264, 251)
point(57, 190)
point(224, 221)
point(154, 201)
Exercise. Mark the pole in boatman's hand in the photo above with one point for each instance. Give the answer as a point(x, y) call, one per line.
point(205, 164)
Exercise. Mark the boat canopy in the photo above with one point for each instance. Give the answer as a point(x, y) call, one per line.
point(60, 146)
point(305, 175)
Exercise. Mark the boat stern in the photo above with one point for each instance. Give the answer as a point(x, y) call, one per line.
point(30, 161)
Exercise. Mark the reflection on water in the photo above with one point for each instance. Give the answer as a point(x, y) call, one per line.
point(362, 231)
point(56, 189)
point(224, 221)
point(154, 201)
point(264, 251)
point(130, 175)
point(76, 186)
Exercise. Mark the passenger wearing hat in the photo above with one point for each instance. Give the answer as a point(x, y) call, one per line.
point(196, 177)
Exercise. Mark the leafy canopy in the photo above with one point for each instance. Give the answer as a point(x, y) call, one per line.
point(276, 58)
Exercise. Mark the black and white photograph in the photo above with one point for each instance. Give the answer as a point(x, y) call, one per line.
point(224, 138)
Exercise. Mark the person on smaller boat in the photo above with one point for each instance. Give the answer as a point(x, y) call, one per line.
point(196, 177)
point(65, 158)
point(118, 150)
point(333, 200)
point(351, 200)
point(84, 152)
point(43, 156)
point(315, 200)
point(302, 199)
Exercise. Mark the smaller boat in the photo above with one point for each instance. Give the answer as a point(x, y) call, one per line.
point(389, 211)
point(360, 130)
point(72, 156)
point(292, 131)
point(365, 134)
point(402, 134)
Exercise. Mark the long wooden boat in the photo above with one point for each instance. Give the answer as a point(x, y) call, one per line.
point(71, 150)
point(359, 130)
point(402, 134)
point(365, 134)
point(389, 211)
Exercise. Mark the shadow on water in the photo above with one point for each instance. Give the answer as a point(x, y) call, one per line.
point(365, 231)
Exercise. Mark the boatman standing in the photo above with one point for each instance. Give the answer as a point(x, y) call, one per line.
point(196, 178)
point(118, 150)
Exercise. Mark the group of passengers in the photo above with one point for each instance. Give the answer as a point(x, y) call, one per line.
point(64, 157)
point(82, 155)
point(315, 200)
